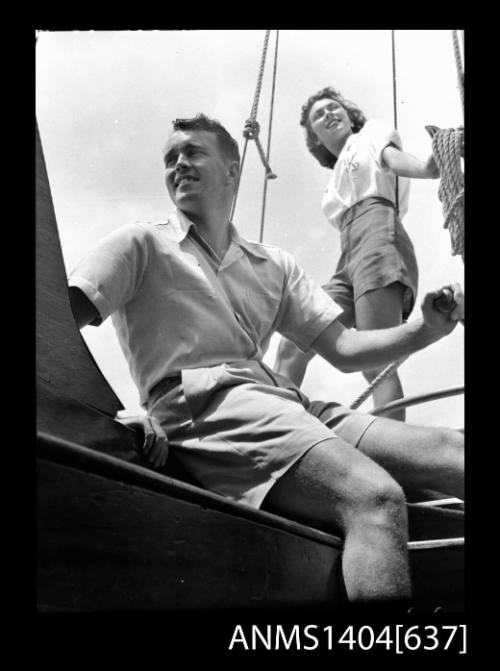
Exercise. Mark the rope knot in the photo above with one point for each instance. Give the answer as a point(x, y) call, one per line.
point(251, 132)
point(252, 129)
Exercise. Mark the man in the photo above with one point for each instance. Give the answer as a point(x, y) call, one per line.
point(195, 305)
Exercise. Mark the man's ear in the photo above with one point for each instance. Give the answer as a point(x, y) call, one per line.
point(234, 171)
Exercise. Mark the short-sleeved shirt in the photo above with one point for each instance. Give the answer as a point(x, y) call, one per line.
point(359, 172)
point(173, 311)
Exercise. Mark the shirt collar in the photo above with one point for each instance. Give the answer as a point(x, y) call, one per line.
point(181, 224)
point(250, 247)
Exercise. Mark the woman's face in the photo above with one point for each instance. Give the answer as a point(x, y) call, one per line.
point(330, 123)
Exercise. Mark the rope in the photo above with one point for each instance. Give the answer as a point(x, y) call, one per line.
point(260, 77)
point(268, 152)
point(448, 148)
point(458, 63)
point(387, 372)
point(252, 128)
point(391, 368)
point(416, 400)
point(438, 502)
point(394, 103)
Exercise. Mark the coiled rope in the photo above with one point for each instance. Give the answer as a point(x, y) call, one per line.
point(448, 148)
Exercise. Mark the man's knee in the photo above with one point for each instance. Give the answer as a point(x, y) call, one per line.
point(378, 499)
point(386, 494)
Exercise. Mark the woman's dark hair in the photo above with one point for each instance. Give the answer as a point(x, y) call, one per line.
point(319, 151)
point(227, 144)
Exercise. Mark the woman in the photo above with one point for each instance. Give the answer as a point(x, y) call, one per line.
point(376, 277)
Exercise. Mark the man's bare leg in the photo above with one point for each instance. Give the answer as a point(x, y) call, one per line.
point(336, 485)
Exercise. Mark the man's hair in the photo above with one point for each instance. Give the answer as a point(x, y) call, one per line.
point(318, 150)
point(227, 144)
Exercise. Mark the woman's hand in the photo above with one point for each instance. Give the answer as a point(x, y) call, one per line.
point(431, 167)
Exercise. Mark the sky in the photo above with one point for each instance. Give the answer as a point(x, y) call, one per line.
point(105, 101)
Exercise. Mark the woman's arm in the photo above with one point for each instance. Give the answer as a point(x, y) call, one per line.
point(406, 165)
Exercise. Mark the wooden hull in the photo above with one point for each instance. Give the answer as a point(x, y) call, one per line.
point(113, 536)
point(122, 539)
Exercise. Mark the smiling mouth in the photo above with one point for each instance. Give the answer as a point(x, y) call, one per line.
point(184, 180)
point(332, 122)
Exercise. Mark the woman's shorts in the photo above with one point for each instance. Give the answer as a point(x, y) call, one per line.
point(376, 251)
point(236, 428)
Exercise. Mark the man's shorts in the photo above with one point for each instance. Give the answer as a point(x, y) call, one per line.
point(236, 428)
point(376, 252)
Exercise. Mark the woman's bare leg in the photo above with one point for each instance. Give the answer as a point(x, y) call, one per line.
point(379, 309)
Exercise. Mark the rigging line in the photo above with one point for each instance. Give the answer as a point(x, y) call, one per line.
point(268, 150)
point(386, 372)
point(394, 102)
point(260, 77)
point(458, 63)
point(391, 368)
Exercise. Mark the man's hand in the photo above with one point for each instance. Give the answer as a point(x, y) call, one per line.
point(443, 308)
point(155, 446)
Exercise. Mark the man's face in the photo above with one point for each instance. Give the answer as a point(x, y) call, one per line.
point(196, 172)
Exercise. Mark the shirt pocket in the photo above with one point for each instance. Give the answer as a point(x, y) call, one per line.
point(185, 273)
point(261, 310)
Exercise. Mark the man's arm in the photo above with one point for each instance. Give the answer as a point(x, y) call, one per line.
point(155, 446)
point(351, 350)
point(84, 311)
point(406, 165)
